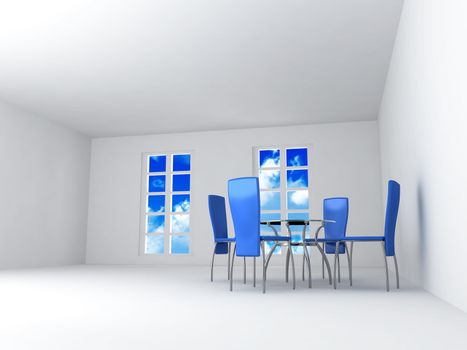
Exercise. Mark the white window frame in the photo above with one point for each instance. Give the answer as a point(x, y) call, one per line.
point(284, 211)
point(169, 173)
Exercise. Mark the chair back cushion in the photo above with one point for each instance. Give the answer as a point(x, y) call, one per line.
point(245, 209)
point(392, 208)
point(218, 216)
point(336, 209)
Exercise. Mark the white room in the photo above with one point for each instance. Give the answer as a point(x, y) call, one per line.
point(184, 174)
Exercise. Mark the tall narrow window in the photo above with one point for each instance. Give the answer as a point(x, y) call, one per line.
point(167, 200)
point(284, 193)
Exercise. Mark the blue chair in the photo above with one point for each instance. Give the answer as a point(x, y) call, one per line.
point(222, 242)
point(335, 217)
point(245, 209)
point(387, 241)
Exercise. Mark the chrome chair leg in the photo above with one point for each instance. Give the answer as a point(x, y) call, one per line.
point(293, 266)
point(271, 252)
point(228, 262)
point(244, 270)
point(336, 256)
point(349, 262)
point(264, 267)
point(322, 262)
point(303, 263)
point(326, 261)
point(212, 263)
point(397, 270)
point(287, 262)
point(232, 266)
point(306, 256)
point(386, 266)
point(338, 268)
point(254, 271)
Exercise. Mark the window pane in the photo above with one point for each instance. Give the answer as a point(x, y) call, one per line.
point(154, 245)
point(297, 199)
point(297, 157)
point(180, 245)
point(270, 200)
point(154, 223)
point(181, 162)
point(156, 183)
point(297, 178)
point(181, 182)
point(157, 164)
point(269, 179)
point(179, 223)
point(269, 158)
point(269, 217)
point(156, 204)
point(181, 203)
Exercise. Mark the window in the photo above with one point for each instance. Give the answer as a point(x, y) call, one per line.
point(283, 180)
point(166, 204)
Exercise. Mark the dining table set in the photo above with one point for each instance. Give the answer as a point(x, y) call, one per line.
point(329, 237)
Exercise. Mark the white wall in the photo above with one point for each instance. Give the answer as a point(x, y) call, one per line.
point(44, 181)
point(424, 144)
point(345, 162)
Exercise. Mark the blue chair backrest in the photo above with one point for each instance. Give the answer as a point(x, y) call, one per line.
point(392, 208)
point(336, 209)
point(245, 209)
point(218, 216)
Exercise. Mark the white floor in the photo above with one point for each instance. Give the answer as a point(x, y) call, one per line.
point(120, 307)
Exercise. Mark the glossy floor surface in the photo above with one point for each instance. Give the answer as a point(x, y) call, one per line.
point(121, 307)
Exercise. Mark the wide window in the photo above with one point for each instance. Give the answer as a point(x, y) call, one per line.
point(284, 192)
point(166, 204)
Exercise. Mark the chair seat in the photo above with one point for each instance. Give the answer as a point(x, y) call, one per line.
point(275, 238)
point(363, 238)
point(224, 240)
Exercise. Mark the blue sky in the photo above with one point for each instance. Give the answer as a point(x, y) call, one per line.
point(297, 157)
point(181, 162)
point(181, 182)
point(156, 204)
point(270, 200)
point(269, 158)
point(297, 178)
point(269, 217)
point(154, 244)
point(155, 223)
point(180, 245)
point(156, 183)
point(157, 164)
point(181, 203)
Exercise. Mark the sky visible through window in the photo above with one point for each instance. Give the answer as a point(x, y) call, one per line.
point(168, 201)
point(283, 178)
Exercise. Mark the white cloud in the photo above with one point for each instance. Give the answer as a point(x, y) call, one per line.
point(296, 161)
point(299, 198)
point(180, 223)
point(269, 179)
point(182, 207)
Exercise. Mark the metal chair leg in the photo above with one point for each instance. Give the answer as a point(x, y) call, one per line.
point(293, 266)
point(264, 267)
point(322, 262)
point(232, 266)
point(349, 262)
point(397, 270)
point(307, 257)
point(338, 268)
point(386, 266)
point(287, 262)
point(244, 270)
point(254, 271)
point(336, 256)
point(303, 263)
point(326, 261)
point(228, 262)
point(212, 263)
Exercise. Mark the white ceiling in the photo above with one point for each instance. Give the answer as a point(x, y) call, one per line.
point(127, 67)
